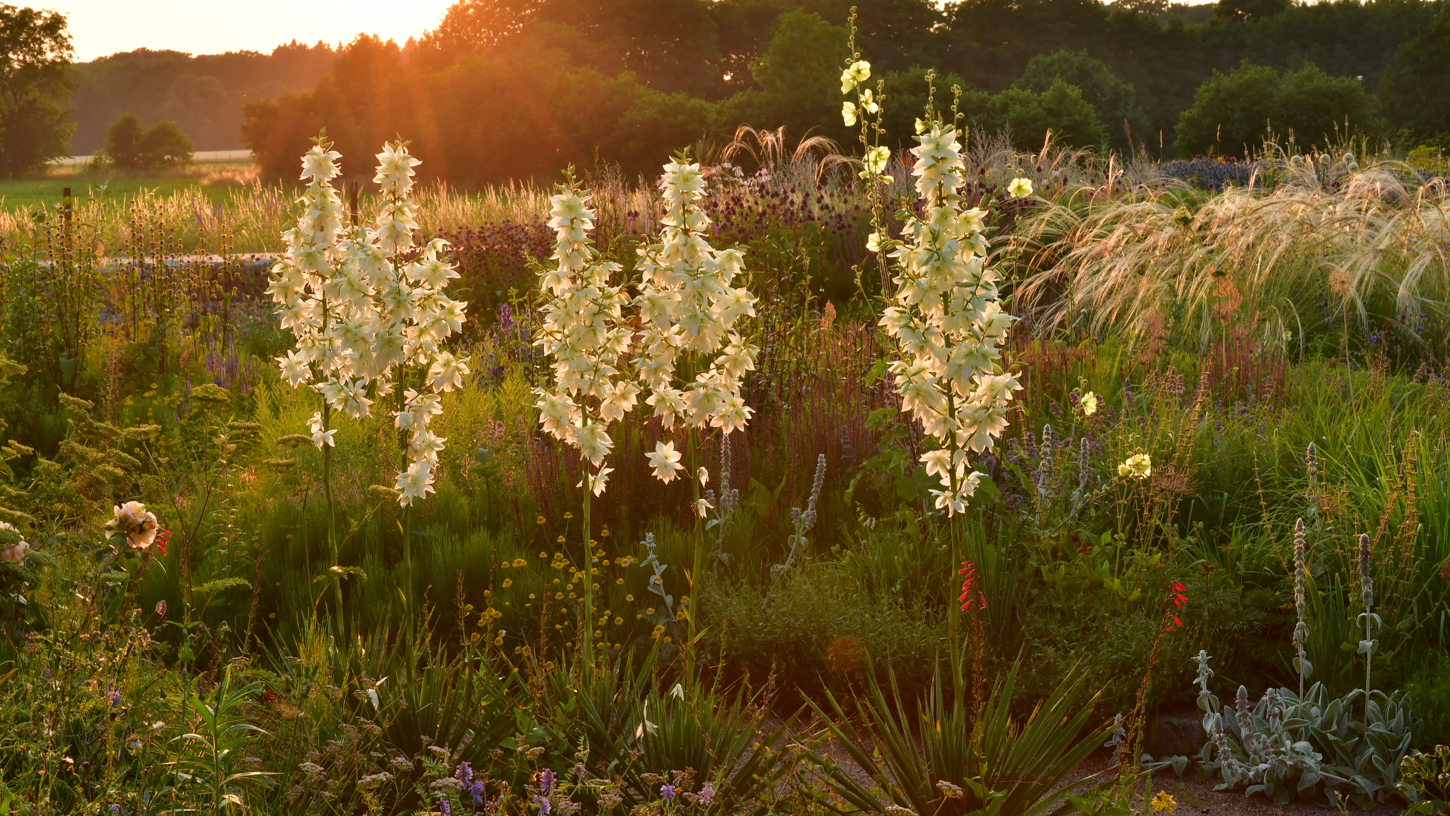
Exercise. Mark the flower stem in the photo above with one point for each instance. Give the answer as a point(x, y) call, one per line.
point(588, 635)
point(331, 515)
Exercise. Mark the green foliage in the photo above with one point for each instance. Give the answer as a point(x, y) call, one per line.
point(1408, 94)
point(1234, 113)
point(971, 760)
point(1026, 113)
point(202, 93)
point(159, 147)
point(1238, 10)
point(1119, 111)
point(208, 772)
point(1429, 687)
point(35, 121)
point(1428, 776)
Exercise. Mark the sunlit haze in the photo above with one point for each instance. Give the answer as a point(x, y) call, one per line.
point(102, 27)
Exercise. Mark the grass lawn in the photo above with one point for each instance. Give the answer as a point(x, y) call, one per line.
point(212, 178)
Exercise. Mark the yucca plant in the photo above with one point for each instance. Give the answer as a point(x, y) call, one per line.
point(640, 735)
point(941, 759)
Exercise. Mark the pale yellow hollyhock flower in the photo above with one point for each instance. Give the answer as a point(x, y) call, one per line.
point(858, 72)
point(1138, 466)
point(1020, 187)
point(848, 113)
point(1089, 403)
point(876, 159)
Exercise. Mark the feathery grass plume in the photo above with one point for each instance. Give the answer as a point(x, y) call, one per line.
point(1128, 258)
point(1301, 630)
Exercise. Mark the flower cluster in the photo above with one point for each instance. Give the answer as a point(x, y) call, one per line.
point(688, 305)
point(948, 322)
point(362, 317)
point(584, 332)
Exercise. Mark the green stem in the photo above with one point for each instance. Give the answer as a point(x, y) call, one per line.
point(588, 576)
point(331, 515)
point(695, 574)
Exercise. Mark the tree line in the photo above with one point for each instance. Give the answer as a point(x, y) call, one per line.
point(517, 88)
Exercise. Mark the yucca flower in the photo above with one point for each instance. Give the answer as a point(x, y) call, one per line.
point(360, 314)
point(690, 307)
point(583, 332)
point(948, 322)
point(665, 461)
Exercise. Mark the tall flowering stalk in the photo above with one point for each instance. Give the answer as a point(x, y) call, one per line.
point(1301, 629)
point(692, 360)
point(1368, 617)
point(974, 602)
point(947, 321)
point(583, 332)
point(415, 317)
point(863, 109)
point(323, 302)
point(360, 315)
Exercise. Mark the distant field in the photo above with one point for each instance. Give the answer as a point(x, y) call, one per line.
point(213, 174)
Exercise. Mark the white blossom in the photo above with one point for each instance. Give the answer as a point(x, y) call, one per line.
point(689, 305)
point(948, 322)
point(360, 315)
point(583, 332)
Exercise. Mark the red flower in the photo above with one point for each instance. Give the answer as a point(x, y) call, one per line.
point(161, 540)
point(969, 594)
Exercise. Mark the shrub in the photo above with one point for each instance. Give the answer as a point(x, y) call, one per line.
point(1233, 113)
point(130, 147)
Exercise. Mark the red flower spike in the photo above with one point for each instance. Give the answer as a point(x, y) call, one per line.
point(969, 582)
point(161, 540)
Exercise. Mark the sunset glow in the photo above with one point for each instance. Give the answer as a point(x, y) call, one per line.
point(102, 27)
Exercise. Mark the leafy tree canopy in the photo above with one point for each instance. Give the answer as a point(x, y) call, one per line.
point(1413, 93)
point(1233, 113)
point(35, 85)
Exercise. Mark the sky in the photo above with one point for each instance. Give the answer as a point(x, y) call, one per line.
point(102, 27)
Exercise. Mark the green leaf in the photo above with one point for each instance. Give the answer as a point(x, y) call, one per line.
point(219, 585)
point(906, 487)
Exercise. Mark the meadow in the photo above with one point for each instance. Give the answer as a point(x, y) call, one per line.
point(1221, 492)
